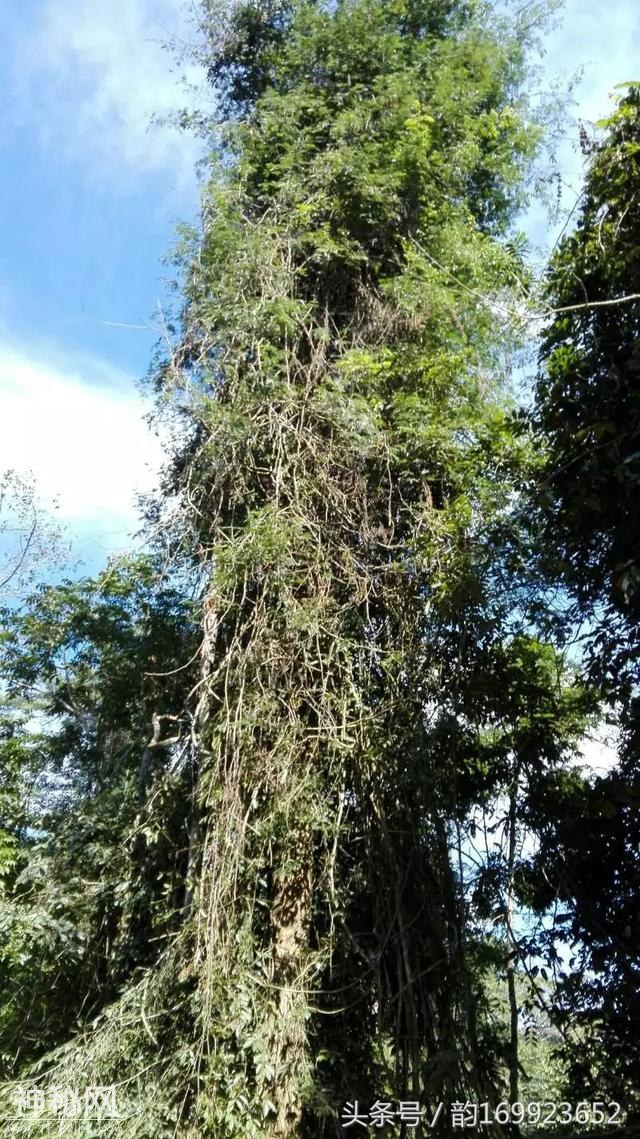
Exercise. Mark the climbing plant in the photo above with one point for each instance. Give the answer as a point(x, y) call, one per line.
point(361, 672)
point(348, 464)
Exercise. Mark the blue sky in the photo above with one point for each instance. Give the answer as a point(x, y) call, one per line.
point(91, 195)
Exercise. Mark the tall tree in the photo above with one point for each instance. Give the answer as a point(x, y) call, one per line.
point(348, 458)
point(588, 418)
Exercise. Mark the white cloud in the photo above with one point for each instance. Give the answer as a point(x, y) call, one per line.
point(90, 74)
point(84, 438)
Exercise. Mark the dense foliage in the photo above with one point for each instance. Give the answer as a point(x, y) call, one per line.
point(588, 416)
point(87, 882)
point(289, 807)
point(349, 428)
